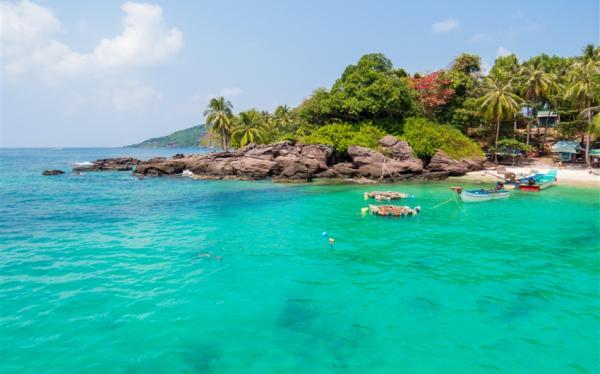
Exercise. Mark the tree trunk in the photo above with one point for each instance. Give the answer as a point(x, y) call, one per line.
point(528, 131)
point(515, 125)
point(496, 142)
point(588, 134)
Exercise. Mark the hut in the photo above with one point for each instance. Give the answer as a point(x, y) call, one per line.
point(595, 157)
point(567, 151)
point(546, 118)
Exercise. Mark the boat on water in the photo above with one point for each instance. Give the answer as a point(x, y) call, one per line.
point(538, 181)
point(472, 196)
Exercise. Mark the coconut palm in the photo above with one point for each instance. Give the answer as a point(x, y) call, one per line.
point(249, 128)
point(498, 103)
point(219, 119)
point(584, 89)
point(536, 86)
point(283, 117)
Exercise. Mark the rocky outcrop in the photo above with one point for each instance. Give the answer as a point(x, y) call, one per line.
point(52, 172)
point(441, 162)
point(287, 162)
point(118, 164)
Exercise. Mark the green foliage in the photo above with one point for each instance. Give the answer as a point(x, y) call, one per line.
point(219, 119)
point(343, 135)
point(183, 138)
point(513, 144)
point(249, 128)
point(467, 116)
point(466, 63)
point(426, 137)
point(369, 90)
point(571, 129)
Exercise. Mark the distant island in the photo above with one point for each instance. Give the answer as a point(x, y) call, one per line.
point(179, 139)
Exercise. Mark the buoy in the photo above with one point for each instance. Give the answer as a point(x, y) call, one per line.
point(363, 211)
point(331, 241)
point(417, 209)
point(324, 233)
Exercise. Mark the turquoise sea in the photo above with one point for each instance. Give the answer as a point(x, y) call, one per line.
point(104, 272)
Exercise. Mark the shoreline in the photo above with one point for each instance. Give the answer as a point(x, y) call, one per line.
point(566, 176)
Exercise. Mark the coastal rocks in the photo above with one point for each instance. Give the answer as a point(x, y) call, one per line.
point(288, 162)
point(116, 164)
point(52, 172)
point(372, 164)
point(441, 162)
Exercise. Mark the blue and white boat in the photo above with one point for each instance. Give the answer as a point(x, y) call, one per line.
point(471, 196)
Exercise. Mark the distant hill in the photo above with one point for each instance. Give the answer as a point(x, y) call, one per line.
point(179, 139)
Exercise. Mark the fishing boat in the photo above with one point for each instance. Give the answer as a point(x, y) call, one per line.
point(471, 196)
point(538, 181)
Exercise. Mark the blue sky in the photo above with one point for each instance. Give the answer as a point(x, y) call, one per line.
point(110, 73)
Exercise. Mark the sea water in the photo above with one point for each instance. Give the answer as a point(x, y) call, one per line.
point(105, 272)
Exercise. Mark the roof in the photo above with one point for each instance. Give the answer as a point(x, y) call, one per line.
point(594, 152)
point(565, 146)
point(546, 113)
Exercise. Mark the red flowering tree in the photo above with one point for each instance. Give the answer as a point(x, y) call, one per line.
point(433, 90)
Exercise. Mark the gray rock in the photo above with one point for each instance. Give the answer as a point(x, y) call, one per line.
point(52, 172)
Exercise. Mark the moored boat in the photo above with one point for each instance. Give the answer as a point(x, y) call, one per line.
point(538, 182)
point(470, 196)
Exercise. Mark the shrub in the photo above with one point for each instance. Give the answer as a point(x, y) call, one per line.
point(426, 137)
point(342, 135)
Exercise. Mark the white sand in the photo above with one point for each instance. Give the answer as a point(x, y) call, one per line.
point(567, 176)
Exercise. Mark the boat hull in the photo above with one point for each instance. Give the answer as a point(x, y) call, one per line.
point(475, 196)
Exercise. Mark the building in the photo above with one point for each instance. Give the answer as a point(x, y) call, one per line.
point(595, 157)
point(567, 151)
point(546, 118)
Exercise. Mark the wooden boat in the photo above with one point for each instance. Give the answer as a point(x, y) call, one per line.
point(538, 182)
point(470, 196)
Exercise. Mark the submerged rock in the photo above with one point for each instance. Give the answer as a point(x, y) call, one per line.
point(52, 172)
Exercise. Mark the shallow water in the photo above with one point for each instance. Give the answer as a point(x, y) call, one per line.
point(105, 272)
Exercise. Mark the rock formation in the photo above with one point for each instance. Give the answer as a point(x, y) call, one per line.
point(287, 162)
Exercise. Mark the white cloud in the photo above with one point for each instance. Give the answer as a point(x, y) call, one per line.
point(444, 26)
point(29, 41)
point(501, 51)
point(479, 37)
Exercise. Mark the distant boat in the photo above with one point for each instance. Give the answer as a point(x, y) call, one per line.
point(470, 196)
point(538, 182)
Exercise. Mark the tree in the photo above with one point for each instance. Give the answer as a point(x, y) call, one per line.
point(219, 119)
point(584, 89)
point(249, 128)
point(369, 90)
point(498, 103)
point(433, 92)
point(536, 86)
point(283, 118)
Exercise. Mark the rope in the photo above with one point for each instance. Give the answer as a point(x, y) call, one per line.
point(445, 202)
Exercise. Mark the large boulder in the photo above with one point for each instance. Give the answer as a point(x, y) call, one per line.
point(443, 163)
point(372, 164)
point(159, 167)
point(397, 149)
point(252, 168)
point(117, 163)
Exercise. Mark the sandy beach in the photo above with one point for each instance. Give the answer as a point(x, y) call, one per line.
point(567, 176)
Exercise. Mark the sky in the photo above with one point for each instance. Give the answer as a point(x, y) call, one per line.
point(111, 73)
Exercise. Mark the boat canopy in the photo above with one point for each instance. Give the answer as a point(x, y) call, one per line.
point(595, 152)
point(565, 146)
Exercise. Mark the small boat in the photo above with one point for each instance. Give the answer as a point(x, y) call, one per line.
point(470, 196)
point(538, 182)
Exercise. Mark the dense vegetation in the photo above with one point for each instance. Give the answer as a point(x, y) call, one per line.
point(458, 110)
point(183, 138)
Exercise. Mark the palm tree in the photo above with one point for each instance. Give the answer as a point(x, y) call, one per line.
point(537, 84)
point(219, 119)
point(283, 117)
point(249, 127)
point(498, 103)
point(584, 89)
